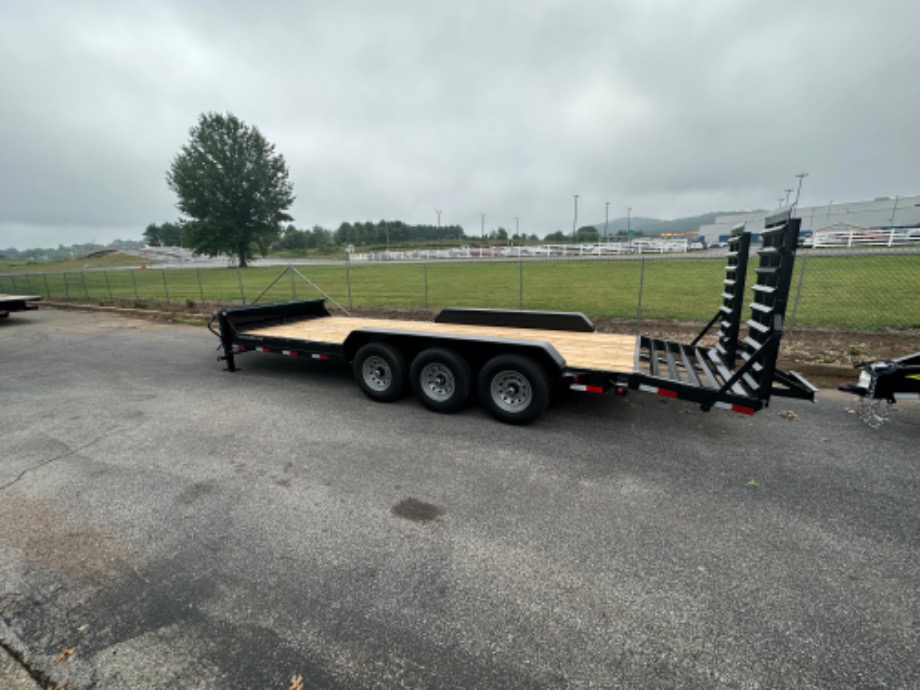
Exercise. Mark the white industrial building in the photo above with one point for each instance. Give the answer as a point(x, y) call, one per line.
point(882, 213)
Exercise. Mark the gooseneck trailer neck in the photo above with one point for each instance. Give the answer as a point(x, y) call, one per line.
point(515, 361)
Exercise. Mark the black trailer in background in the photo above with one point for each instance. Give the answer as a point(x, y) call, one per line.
point(882, 383)
point(11, 303)
point(515, 361)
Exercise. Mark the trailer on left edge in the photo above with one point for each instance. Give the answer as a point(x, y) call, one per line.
point(11, 303)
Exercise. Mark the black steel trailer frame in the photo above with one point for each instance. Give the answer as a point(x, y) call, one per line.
point(882, 383)
point(11, 303)
point(707, 376)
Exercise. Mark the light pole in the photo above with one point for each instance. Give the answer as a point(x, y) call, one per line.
point(788, 192)
point(483, 226)
point(894, 210)
point(575, 221)
point(799, 190)
point(517, 227)
point(629, 222)
point(606, 218)
point(439, 218)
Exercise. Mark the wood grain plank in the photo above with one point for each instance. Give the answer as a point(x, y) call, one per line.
point(600, 351)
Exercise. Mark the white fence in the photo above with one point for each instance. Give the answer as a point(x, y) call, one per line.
point(853, 236)
point(635, 246)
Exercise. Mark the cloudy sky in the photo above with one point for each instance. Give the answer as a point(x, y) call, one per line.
point(391, 110)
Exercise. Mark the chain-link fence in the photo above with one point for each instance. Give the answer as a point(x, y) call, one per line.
point(856, 290)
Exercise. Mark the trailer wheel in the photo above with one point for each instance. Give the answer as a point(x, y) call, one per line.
point(441, 380)
point(381, 371)
point(513, 389)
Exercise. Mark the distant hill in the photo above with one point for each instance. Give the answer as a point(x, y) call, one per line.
point(655, 226)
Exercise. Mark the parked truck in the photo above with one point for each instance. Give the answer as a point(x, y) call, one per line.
point(11, 303)
point(516, 361)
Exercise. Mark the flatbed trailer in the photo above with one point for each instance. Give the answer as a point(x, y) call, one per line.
point(883, 382)
point(517, 360)
point(11, 303)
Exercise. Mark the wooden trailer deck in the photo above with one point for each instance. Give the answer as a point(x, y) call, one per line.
point(598, 351)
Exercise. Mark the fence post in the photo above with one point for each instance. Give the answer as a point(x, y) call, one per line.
point(348, 281)
point(798, 291)
point(165, 286)
point(85, 289)
point(108, 285)
point(134, 282)
point(239, 280)
point(641, 288)
point(293, 284)
point(47, 289)
point(521, 282)
point(200, 287)
point(425, 274)
point(66, 287)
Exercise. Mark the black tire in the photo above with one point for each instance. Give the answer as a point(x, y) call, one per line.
point(380, 370)
point(441, 380)
point(514, 389)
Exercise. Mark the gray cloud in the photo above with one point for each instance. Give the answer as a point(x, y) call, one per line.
point(393, 110)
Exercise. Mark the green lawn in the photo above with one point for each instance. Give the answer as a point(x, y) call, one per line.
point(860, 292)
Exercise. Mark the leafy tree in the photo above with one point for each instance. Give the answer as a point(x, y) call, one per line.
point(587, 234)
point(233, 188)
point(165, 235)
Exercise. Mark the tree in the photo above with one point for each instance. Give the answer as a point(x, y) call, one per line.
point(232, 187)
point(587, 234)
point(166, 235)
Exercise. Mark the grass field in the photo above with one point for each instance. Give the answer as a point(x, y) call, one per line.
point(860, 291)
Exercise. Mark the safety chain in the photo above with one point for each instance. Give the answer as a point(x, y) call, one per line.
point(874, 412)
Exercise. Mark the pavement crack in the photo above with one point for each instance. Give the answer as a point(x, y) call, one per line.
point(39, 676)
point(70, 452)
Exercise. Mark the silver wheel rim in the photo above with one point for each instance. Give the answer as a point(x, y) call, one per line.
point(377, 373)
point(437, 381)
point(511, 391)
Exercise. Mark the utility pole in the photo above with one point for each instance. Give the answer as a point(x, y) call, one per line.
point(801, 176)
point(517, 227)
point(575, 221)
point(483, 227)
point(893, 211)
point(439, 218)
point(629, 222)
point(606, 218)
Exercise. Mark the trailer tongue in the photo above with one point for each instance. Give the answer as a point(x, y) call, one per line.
point(882, 383)
point(516, 360)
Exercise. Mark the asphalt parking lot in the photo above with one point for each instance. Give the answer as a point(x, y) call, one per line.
point(166, 524)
